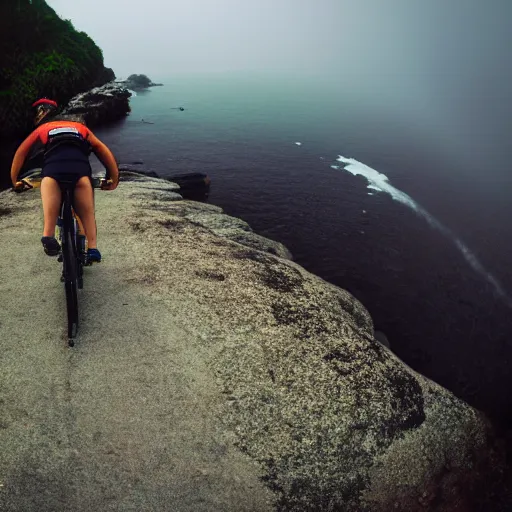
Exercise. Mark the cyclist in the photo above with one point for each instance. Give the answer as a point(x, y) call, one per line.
point(66, 146)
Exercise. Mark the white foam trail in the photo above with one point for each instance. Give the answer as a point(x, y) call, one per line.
point(133, 92)
point(380, 182)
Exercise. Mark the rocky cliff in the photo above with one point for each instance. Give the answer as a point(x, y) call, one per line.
point(211, 372)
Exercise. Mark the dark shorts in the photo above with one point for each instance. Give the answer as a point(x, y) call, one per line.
point(66, 170)
point(66, 163)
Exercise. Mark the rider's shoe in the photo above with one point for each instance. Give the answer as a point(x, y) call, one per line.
point(93, 256)
point(50, 245)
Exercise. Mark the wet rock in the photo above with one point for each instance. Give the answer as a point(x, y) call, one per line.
point(195, 186)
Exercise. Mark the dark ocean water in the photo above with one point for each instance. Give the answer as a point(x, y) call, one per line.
point(432, 266)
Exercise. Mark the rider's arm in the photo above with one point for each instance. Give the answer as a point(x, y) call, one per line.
point(105, 156)
point(21, 155)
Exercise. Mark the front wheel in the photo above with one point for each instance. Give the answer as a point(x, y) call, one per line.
point(81, 258)
point(72, 307)
point(70, 284)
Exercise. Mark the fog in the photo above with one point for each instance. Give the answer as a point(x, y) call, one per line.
point(406, 39)
point(443, 65)
point(164, 37)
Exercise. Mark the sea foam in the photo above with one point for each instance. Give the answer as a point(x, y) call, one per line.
point(380, 182)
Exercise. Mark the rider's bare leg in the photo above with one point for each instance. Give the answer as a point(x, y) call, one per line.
point(84, 207)
point(51, 198)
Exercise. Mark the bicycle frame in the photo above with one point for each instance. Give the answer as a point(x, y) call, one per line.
point(73, 255)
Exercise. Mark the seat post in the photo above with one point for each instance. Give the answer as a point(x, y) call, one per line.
point(67, 188)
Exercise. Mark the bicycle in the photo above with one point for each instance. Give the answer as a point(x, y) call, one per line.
point(73, 254)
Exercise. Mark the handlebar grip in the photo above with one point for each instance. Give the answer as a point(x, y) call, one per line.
point(98, 181)
point(22, 185)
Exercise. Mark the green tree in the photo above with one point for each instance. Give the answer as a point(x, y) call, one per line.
point(41, 55)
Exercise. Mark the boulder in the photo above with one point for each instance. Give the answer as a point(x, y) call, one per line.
point(195, 185)
point(127, 172)
point(100, 105)
point(193, 180)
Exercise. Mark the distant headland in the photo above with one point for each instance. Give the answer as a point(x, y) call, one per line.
point(138, 82)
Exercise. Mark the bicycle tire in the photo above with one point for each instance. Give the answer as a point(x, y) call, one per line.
point(72, 308)
point(70, 280)
point(80, 256)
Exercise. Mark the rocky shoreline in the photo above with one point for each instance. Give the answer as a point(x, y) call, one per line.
point(308, 394)
point(296, 382)
point(135, 87)
point(100, 106)
point(195, 185)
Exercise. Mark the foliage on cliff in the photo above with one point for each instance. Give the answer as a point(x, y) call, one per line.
point(42, 55)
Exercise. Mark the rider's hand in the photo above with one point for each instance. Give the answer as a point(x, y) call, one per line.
point(109, 185)
point(19, 186)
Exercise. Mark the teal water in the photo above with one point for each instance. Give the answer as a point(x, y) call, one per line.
point(426, 251)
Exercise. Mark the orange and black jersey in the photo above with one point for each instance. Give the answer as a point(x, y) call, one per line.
point(47, 131)
point(70, 137)
point(63, 141)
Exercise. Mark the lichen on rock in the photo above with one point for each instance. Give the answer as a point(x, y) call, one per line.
point(328, 416)
point(336, 419)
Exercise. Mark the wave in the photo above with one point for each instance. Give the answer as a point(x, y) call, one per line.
point(133, 92)
point(380, 182)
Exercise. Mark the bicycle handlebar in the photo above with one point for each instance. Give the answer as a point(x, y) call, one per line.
point(99, 181)
point(32, 179)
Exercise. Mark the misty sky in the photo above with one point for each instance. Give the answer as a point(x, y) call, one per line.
point(358, 36)
point(404, 49)
point(422, 59)
point(156, 36)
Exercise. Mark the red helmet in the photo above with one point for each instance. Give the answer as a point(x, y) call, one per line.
point(42, 109)
point(45, 101)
